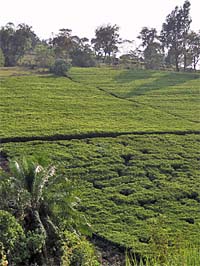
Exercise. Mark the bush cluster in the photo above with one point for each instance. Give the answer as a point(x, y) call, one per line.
point(60, 67)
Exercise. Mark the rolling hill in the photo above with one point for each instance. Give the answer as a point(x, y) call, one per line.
point(130, 137)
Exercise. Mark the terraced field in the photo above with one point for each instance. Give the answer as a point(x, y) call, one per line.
point(171, 93)
point(39, 105)
point(128, 182)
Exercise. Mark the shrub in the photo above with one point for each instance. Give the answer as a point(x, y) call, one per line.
point(60, 67)
point(12, 238)
point(78, 251)
point(83, 59)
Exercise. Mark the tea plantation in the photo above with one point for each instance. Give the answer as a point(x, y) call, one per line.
point(42, 105)
point(130, 137)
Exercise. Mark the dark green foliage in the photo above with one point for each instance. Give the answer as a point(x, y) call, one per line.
point(60, 67)
point(78, 251)
point(153, 56)
point(41, 56)
point(83, 58)
point(13, 238)
point(174, 32)
point(2, 58)
point(16, 41)
point(193, 46)
point(106, 41)
point(30, 195)
point(26, 187)
point(66, 46)
point(63, 43)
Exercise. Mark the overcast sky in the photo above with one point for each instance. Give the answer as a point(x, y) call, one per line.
point(83, 16)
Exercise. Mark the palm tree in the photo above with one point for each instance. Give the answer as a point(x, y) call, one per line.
point(45, 204)
point(30, 180)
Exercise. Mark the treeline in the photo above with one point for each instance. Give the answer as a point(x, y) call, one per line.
point(176, 46)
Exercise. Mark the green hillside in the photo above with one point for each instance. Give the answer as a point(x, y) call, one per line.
point(128, 181)
point(145, 172)
point(36, 105)
point(171, 93)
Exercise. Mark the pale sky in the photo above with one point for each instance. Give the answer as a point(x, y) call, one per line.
point(84, 16)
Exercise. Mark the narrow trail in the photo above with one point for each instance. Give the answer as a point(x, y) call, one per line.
point(130, 100)
point(93, 136)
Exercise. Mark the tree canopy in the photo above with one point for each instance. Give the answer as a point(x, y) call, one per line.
point(176, 46)
point(106, 40)
point(16, 41)
point(174, 32)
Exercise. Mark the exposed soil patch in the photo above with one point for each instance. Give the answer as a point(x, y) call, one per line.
point(110, 254)
point(4, 163)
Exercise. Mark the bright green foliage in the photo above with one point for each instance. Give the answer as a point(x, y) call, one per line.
point(175, 96)
point(186, 256)
point(125, 182)
point(27, 184)
point(154, 101)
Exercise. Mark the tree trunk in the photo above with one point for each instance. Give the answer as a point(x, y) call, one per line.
point(105, 54)
point(185, 62)
point(177, 66)
point(51, 251)
point(176, 55)
point(39, 225)
point(54, 249)
point(194, 64)
point(53, 240)
point(177, 63)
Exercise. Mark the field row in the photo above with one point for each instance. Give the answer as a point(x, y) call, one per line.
point(173, 93)
point(44, 106)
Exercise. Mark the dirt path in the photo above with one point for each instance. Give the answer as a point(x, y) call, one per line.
point(94, 135)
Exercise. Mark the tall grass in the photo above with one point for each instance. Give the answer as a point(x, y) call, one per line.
point(185, 256)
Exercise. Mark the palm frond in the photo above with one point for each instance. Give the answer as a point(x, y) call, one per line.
point(41, 178)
